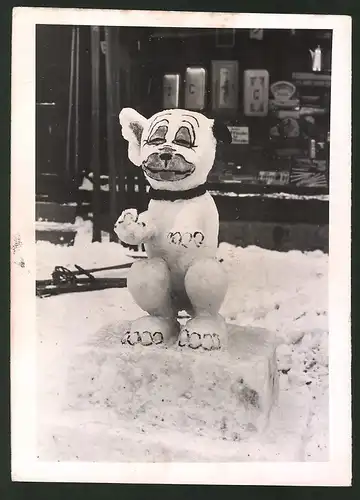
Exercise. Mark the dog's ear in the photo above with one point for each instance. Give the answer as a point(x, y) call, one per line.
point(221, 132)
point(132, 126)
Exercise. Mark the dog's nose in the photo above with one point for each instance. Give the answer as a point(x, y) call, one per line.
point(165, 156)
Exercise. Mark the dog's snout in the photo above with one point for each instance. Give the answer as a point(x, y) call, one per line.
point(165, 156)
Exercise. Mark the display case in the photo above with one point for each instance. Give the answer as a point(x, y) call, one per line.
point(271, 88)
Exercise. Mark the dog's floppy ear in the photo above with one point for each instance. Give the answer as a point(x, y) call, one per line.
point(221, 132)
point(132, 126)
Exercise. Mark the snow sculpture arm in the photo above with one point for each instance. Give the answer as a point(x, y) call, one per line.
point(134, 229)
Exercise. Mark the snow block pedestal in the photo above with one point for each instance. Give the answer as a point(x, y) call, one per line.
point(220, 395)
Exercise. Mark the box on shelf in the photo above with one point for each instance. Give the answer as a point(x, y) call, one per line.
point(312, 79)
point(279, 178)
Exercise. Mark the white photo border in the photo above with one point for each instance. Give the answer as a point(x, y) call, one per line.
point(25, 466)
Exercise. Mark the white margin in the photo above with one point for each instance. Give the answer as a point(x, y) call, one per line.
point(25, 467)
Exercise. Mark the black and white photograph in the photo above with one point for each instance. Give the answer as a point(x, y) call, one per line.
point(180, 247)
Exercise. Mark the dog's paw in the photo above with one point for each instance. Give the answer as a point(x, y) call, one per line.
point(151, 330)
point(203, 334)
point(129, 228)
point(127, 217)
point(144, 338)
point(196, 340)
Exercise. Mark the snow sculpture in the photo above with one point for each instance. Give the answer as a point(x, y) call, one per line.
point(176, 151)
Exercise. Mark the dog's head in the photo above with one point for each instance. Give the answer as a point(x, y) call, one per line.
point(176, 148)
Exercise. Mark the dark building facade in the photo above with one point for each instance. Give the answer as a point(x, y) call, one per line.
point(271, 87)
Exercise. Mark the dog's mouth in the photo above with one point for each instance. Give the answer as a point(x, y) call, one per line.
point(167, 174)
point(172, 169)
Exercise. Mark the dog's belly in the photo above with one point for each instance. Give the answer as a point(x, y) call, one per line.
point(183, 236)
point(178, 259)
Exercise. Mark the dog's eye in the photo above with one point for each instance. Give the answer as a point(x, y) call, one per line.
point(156, 140)
point(183, 142)
point(158, 137)
point(183, 137)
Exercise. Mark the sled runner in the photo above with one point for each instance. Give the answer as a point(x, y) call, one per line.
point(64, 280)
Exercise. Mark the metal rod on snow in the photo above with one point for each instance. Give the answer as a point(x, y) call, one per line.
point(81, 285)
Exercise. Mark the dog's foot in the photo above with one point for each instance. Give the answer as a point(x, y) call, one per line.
point(204, 333)
point(152, 330)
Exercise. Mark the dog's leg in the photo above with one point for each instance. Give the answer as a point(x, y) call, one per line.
point(149, 284)
point(206, 286)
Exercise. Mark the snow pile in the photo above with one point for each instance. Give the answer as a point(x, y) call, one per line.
point(283, 292)
point(86, 254)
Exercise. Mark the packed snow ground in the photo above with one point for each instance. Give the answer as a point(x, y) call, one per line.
point(286, 293)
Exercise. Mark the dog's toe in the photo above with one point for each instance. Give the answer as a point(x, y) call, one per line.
point(146, 338)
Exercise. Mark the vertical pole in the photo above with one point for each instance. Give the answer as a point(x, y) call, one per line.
point(111, 113)
point(121, 100)
point(95, 129)
point(70, 105)
point(77, 83)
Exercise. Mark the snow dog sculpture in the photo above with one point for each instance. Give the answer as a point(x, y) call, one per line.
point(176, 151)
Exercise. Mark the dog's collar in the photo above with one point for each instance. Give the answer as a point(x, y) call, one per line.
point(163, 194)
